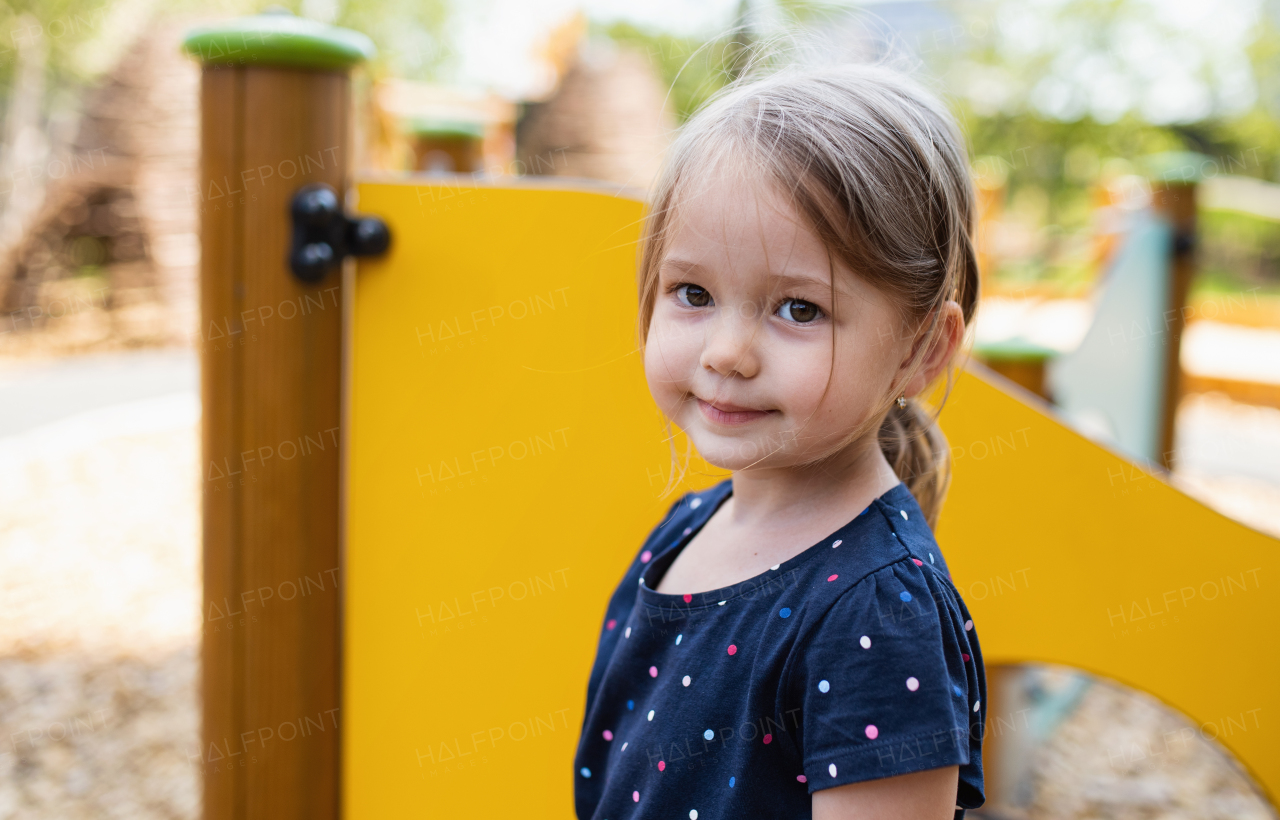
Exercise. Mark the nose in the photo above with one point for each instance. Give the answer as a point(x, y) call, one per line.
point(730, 347)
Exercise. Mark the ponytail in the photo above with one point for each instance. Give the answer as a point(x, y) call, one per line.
point(917, 451)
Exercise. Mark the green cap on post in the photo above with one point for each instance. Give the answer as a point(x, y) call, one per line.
point(432, 127)
point(281, 39)
point(1178, 167)
point(1013, 349)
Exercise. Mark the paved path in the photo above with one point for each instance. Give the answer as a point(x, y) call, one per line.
point(40, 392)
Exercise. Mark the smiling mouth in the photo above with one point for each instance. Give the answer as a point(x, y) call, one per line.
point(729, 414)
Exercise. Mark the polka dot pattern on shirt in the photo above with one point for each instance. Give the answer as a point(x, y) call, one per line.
point(822, 608)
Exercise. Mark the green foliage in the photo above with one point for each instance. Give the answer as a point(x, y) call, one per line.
point(1029, 52)
point(1051, 166)
point(1060, 158)
point(409, 34)
point(694, 69)
point(691, 69)
point(61, 26)
point(1238, 251)
point(1042, 57)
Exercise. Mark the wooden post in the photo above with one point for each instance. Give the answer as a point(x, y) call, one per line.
point(1007, 745)
point(1173, 195)
point(275, 109)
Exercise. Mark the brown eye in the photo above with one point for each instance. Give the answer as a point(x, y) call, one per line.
point(794, 310)
point(693, 296)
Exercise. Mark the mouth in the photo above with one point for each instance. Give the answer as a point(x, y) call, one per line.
point(730, 414)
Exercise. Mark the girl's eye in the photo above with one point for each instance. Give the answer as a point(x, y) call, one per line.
point(794, 310)
point(693, 296)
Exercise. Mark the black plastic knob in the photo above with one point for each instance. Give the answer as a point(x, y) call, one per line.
point(368, 236)
point(323, 234)
point(315, 206)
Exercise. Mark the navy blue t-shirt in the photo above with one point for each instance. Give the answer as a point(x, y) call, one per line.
point(854, 660)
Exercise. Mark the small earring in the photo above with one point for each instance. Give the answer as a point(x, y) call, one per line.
point(902, 401)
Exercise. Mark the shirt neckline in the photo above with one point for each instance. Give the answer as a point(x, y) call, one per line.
point(709, 598)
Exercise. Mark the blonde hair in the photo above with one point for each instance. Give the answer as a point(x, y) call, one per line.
point(878, 168)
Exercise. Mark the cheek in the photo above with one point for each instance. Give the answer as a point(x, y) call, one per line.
point(855, 384)
point(803, 371)
point(828, 396)
point(671, 355)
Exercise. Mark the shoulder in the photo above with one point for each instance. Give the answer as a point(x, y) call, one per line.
point(887, 671)
point(881, 571)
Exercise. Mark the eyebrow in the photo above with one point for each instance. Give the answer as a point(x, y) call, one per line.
point(784, 280)
point(684, 265)
point(799, 281)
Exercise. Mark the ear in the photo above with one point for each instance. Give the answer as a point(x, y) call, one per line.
point(946, 339)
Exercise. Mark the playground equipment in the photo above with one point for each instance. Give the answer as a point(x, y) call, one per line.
point(1121, 384)
point(425, 127)
point(503, 462)
point(275, 115)
point(1123, 379)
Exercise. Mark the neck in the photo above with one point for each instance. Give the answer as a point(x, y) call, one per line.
point(841, 486)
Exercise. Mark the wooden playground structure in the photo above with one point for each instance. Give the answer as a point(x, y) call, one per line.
point(410, 625)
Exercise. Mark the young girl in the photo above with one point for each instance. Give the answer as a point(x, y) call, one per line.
point(789, 643)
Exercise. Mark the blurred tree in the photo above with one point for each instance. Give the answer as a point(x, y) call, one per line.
point(409, 34)
point(1061, 95)
point(63, 26)
point(84, 37)
point(692, 68)
point(696, 68)
point(1054, 96)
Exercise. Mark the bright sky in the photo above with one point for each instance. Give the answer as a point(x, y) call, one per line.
point(496, 38)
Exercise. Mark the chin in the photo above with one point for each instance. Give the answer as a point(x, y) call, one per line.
point(733, 454)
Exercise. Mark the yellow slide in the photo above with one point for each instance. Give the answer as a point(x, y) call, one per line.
point(506, 462)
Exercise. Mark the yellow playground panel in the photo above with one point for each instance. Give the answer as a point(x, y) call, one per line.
point(506, 461)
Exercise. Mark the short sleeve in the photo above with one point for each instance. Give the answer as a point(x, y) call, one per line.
point(889, 681)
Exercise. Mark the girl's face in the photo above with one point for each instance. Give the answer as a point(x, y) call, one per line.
point(740, 353)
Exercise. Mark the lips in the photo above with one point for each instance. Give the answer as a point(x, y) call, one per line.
point(729, 414)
